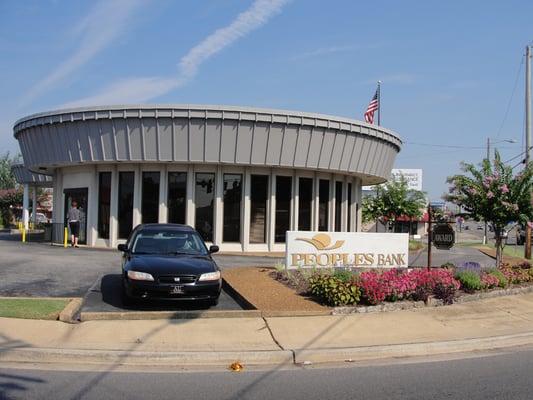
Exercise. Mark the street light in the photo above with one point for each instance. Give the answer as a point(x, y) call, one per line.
point(488, 158)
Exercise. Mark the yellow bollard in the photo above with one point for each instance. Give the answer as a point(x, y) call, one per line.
point(65, 237)
point(23, 235)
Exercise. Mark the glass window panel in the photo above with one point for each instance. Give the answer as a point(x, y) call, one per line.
point(283, 207)
point(349, 207)
point(177, 197)
point(232, 208)
point(258, 208)
point(104, 204)
point(338, 206)
point(126, 184)
point(305, 201)
point(150, 197)
point(323, 203)
point(204, 198)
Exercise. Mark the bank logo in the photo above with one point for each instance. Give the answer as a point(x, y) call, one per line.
point(322, 241)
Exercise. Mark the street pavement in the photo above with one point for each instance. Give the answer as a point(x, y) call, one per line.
point(485, 377)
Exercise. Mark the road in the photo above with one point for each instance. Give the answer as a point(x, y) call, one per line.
point(489, 376)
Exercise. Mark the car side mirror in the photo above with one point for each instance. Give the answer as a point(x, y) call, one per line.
point(213, 249)
point(122, 247)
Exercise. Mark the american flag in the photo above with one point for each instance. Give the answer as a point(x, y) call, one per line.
point(372, 107)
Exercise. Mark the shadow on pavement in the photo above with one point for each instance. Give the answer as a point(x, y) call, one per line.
point(106, 296)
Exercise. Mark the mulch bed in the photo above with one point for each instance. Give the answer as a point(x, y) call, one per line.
point(257, 286)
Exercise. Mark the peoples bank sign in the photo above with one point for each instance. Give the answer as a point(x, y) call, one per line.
point(346, 249)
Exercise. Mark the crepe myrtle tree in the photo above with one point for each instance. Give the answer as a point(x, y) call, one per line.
point(493, 193)
point(391, 201)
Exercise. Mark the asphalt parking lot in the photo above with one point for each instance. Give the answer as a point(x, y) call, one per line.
point(42, 270)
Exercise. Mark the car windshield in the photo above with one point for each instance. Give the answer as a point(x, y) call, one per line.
point(168, 242)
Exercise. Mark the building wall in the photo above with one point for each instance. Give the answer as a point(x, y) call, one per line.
point(88, 177)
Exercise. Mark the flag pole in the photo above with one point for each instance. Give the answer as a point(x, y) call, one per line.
point(379, 103)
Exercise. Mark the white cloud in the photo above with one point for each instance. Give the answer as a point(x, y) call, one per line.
point(138, 90)
point(105, 22)
point(323, 51)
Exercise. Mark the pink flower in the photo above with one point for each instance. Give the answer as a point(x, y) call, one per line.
point(505, 188)
point(490, 195)
point(472, 191)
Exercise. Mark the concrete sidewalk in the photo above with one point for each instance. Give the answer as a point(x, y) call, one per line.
point(482, 325)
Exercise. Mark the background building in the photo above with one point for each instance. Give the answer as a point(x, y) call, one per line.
point(241, 176)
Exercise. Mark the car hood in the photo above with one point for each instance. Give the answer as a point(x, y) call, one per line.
point(171, 265)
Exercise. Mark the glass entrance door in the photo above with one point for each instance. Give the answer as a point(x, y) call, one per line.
point(80, 195)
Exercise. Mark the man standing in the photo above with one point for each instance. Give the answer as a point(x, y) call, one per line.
point(73, 218)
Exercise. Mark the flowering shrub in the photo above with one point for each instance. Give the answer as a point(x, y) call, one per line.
point(489, 281)
point(334, 291)
point(396, 284)
point(516, 274)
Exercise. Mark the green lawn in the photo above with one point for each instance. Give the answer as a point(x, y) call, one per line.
point(32, 308)
point(416, 245)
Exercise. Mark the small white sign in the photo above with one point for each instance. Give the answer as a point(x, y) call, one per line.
point(346, 249)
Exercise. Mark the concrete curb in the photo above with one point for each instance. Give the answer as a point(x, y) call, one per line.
point(411, 349)
point(151, 315)
point(71, 312)
point(145, 358)
point(261, 357)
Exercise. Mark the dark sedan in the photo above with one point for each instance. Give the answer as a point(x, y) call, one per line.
point(170, 262)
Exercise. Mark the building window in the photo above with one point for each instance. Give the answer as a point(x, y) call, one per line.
point(177, 197)
point(258, 208)
point(204, 198)
point(104, 204)
point(338, 206)
point(305, 201)
point(283, 207)
point(323, 202)
point(150, 197)
point(126, 184)
point(349, 207)
point(232, 208)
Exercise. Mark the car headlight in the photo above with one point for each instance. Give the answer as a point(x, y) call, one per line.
point(140, 276)
point(210, 276)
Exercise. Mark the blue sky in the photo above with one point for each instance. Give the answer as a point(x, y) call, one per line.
point(448, 67)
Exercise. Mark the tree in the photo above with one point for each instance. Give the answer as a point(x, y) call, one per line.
point(494, 194)
point(7, 179)
point(393, 200)
point(9, 198)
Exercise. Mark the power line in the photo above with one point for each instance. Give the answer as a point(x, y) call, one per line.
point(512, 95)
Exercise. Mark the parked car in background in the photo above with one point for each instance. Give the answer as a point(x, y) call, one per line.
point(169, 262)
point(40, 218)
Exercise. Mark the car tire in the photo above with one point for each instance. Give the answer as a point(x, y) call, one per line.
point(213, 302)
point(127, 301)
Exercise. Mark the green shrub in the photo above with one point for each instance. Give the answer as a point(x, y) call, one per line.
point(332, 291)
point(448, 265)
point(343, 275)
point(470, 281)
point(502, 280)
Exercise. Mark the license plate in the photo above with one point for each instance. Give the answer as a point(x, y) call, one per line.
point(178, 289)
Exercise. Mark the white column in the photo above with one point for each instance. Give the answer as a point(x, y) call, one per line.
point(190, 212)
point(34, 205)
point(25, 205)
point(271, 213)
point(113, 212)
point(295, 206)
point(219, 216)
point(163, 195)
point(91, 216)
point(137, 197)
point(246, 211)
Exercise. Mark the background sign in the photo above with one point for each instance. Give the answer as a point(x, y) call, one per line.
point(346, 249)
point(443, 236)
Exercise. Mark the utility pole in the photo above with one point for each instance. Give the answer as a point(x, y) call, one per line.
point(527, 251)
point(430, 236)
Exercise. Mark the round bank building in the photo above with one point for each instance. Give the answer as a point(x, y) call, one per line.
point(241, 176)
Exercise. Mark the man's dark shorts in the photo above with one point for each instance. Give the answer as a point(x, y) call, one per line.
point(74, 228)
